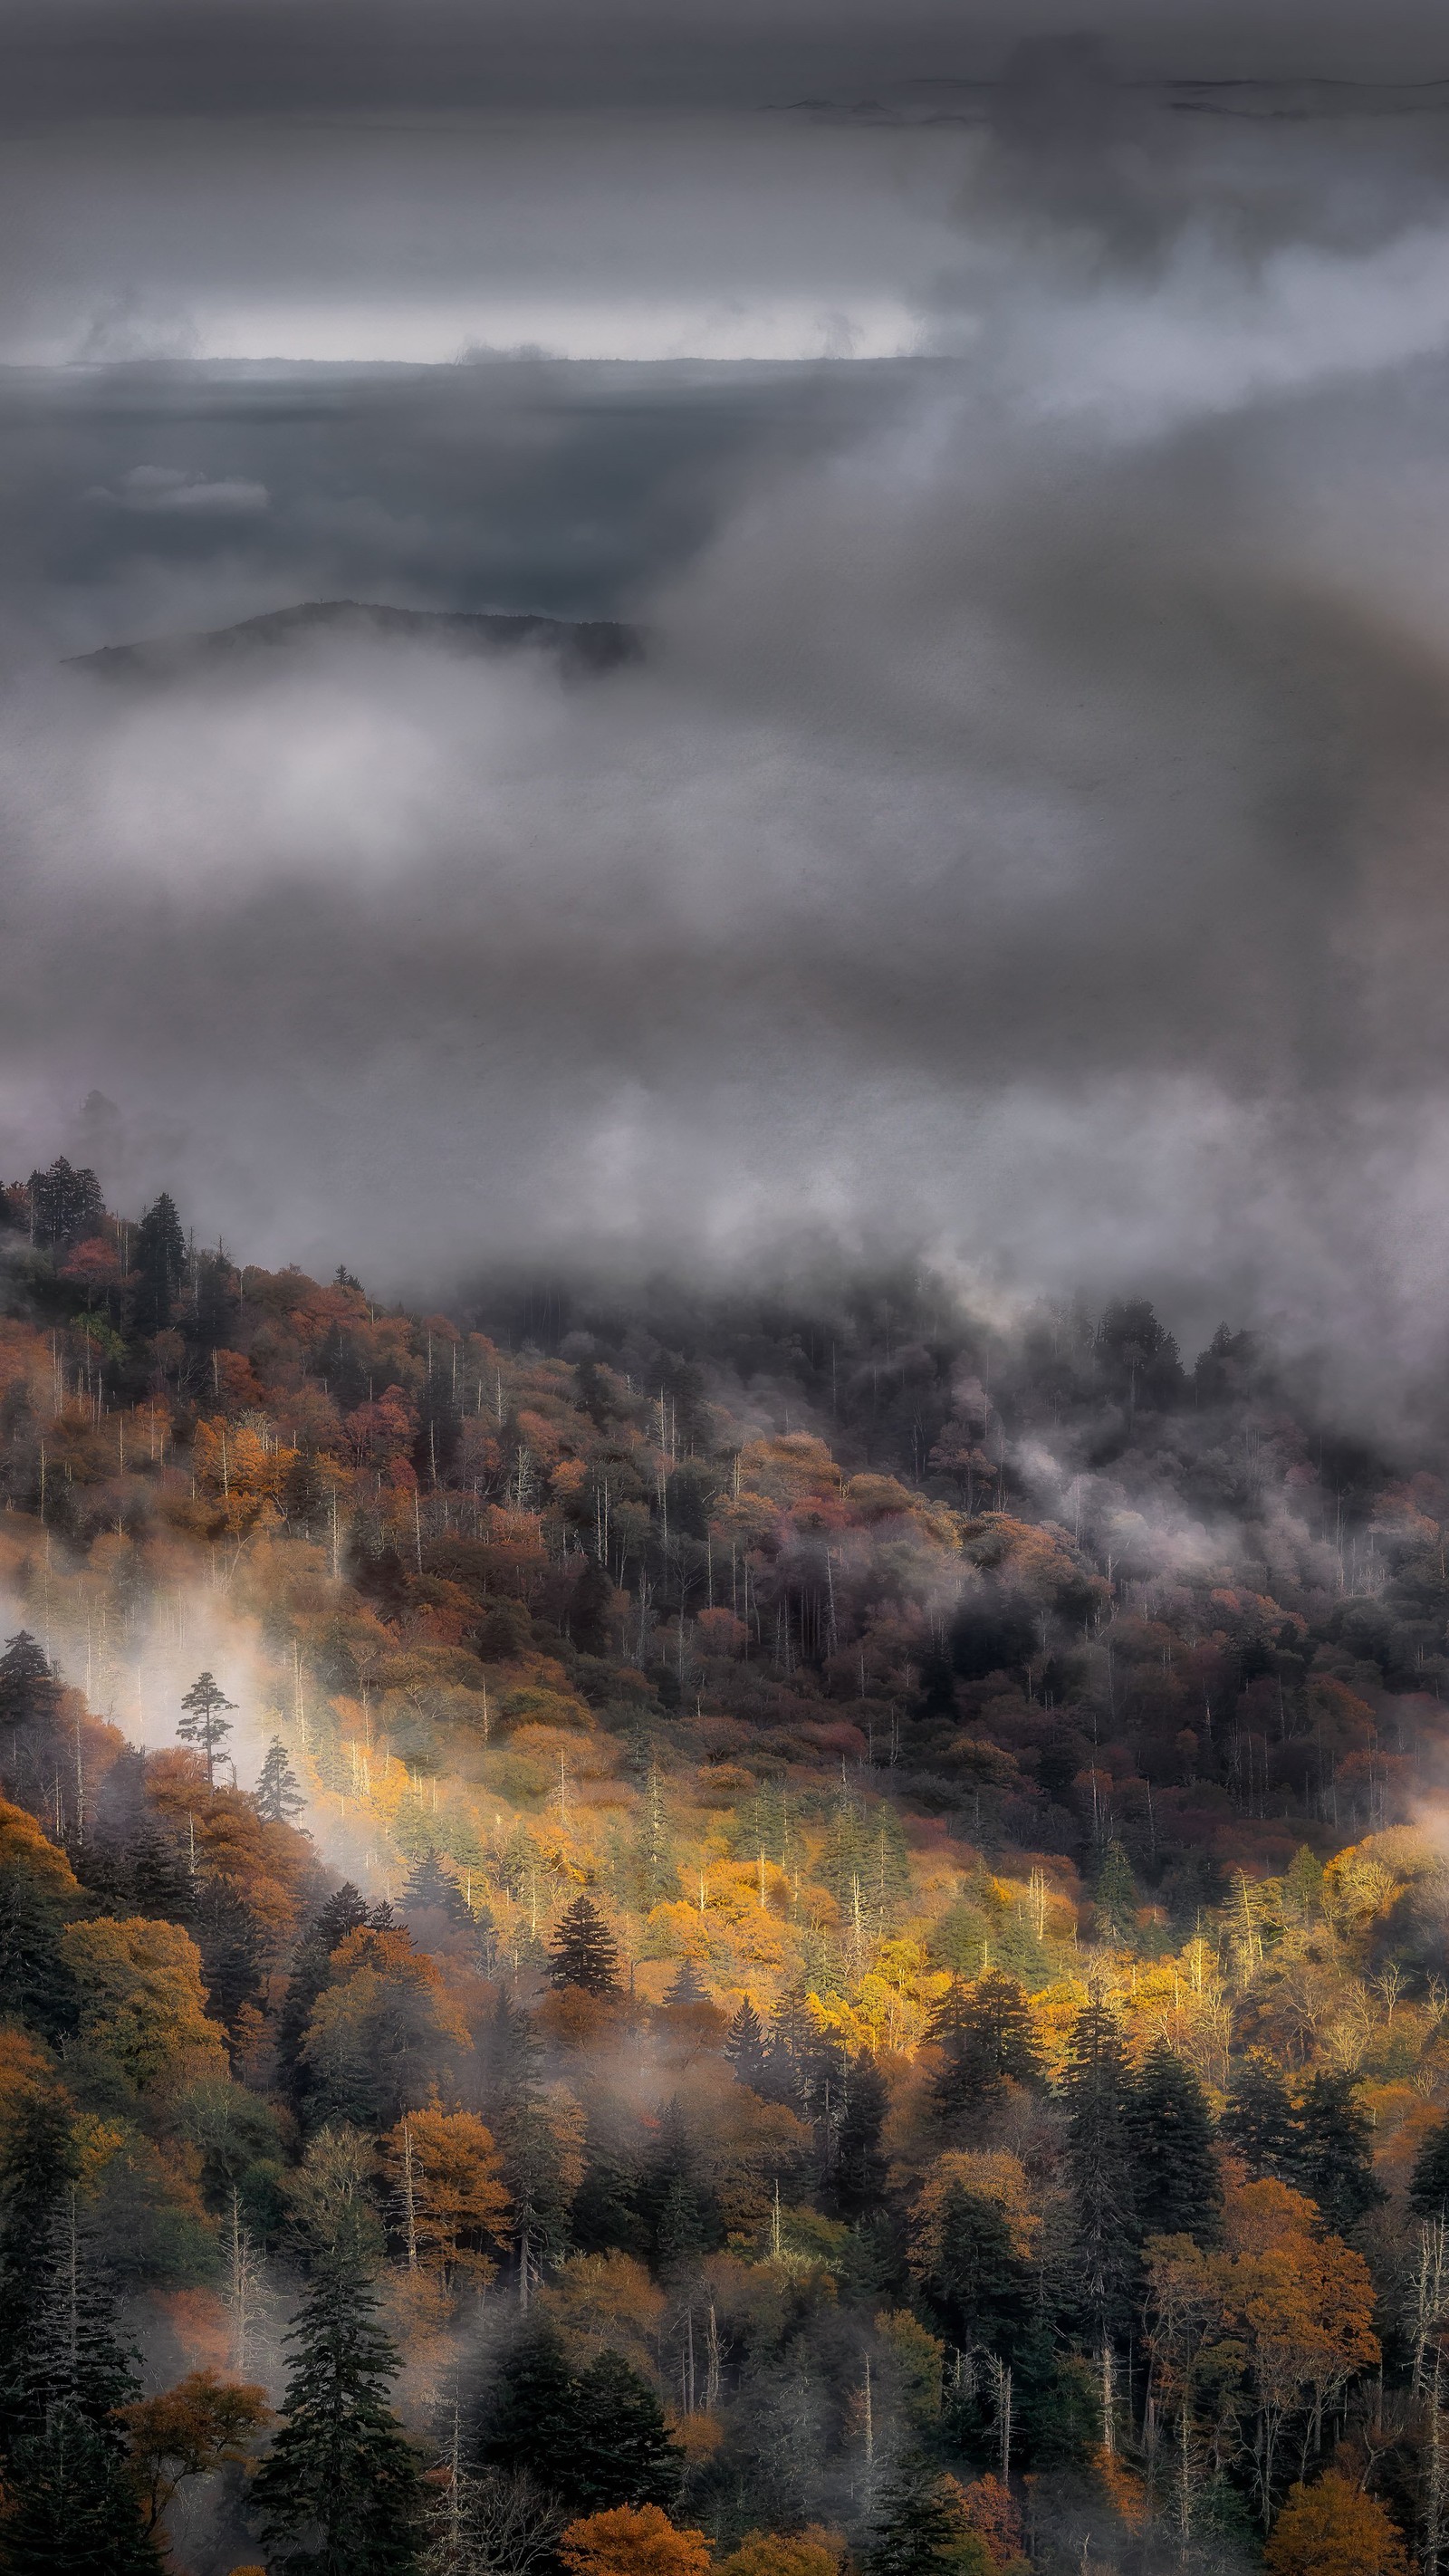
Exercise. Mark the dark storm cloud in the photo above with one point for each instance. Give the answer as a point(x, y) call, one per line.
point(1022, 834)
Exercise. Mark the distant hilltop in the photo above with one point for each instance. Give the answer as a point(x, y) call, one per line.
point(591, 644)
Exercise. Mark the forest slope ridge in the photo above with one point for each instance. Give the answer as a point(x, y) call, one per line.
point(580, 644)
point(879, 1880)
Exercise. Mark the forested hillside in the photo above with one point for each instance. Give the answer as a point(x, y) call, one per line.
point(642, 1934)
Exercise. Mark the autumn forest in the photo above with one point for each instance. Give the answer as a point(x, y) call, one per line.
point(660, 1932)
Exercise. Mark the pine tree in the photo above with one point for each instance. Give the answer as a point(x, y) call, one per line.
point(1115, 1895)
point(341, 2465)
point(430, 1887)
point(919, 2529)
point(72, 2358)
point(532, 2420)
point(66, 1205)
point(278, 1793)
point(1258, 2123)
point(1099, 2161)
point(202, 1721)
point(29, 1717)
point(622, 2450)
point(745, 2045)
point(73, 2510)
point(1176, 2183)
point(1429, 2188)
point(685, 1987)
point(583, 1951)
point(1333, 2151)
point(984, 2033)
point(160, 1261)
point(591, 1610)
point(345, 1911)
point(859, 2165)
point(978, 2284)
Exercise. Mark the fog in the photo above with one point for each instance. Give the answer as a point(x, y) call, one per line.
point(1020, 837)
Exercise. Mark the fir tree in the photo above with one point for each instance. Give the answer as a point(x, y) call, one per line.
point(583, 1951)
point(745, 2045)
point(160, 1262)
point(29, 1717)
point(622, 2451)
point(203, 1721)
point(978, 2284)
point(73, 2359)
point(278, 1794)
point(1099, 2162)
point(919, 2529)
point(1258, 2123)
point(685, 1987)
point(532, 2421)
point(1115, 1895)
point(1176, 2183)
point(73, 2510)
point(984, 2033)
point(859, 2165)
point(431, 1888)
point(345, 1911)
point(339, 2493)
point(1429, 2187)
point(591, 1610)
point(1333, 2151)
point(655, 1872)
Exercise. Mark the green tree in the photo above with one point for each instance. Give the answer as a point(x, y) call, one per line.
point(430, 1887)
point(1176, 2184)
point(339, 2493)
point(622, 2451)
point(1115, 1896)
point(160, 1260)
point(203, 1722)
point(1258, 2123)
point(859, 2164)
point(1429, 2188)
point(745, 2045)
point(278, 1793)
point(531, 2421)
point(984, 2034)
point(29, 1719)
point(1333, 2151)
point(978, 2284)
point(583, 1951)
point(73, 2509)
point(1099, 2162)
point(920, 2529)
point(656, 1872)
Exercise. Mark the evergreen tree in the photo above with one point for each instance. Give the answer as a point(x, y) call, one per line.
point(622, 2451)
point(510, 2055)
point(591, 1610)
point(859, 2164)
point(73, 2510)
point(978, 2284)
point(278, 1793)
point(430, 1887)
point(160, 1261)
point(345, 1911)
point(29, 1718)
point(341, 2467)
point(583, 1951)
point(919, 2529)
point(1258, 2123)
point(66, 1206)
point(1176, 2184)
point(1115, 1896)
point(203, 1721)
point(38, 2167)
point(676, 2203)
point(1429, 2188)
point(984, 2033)
point(72, 2359)
point(1333, 2151)
point(685, 1986)
point(532, 2421)
point(1097, 2089)
point(745, 2045)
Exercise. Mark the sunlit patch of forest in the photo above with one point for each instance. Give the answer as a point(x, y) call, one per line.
point(643, 1934)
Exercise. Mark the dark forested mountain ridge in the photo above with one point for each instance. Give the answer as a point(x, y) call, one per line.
point(781, 1928)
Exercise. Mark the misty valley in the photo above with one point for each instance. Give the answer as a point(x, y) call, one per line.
point(659, 1931)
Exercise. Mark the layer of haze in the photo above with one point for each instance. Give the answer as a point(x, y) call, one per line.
point(1023, 835)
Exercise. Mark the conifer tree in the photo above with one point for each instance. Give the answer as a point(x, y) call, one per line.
point(656, 1874)
point(278, 1794)
point(859, 2164)
point(1429, 2187)
point(345, 1911)
point(341, 2466)
point(977, 2282)
point(1333, 2151)
point(1258, 2123)
point(73, 2510)
point(160, 1261)
point(984, 2033)
point(203, 1720)
point(1099, 2162)
point(431, 1887)
point(29, 1716)
point(622, 2450)
point(1115, 1896)
point(1176, 2184)
point(685, 1986)
point(919, 2528)
point(531, 2421)
point(745, 2045)
point(583, 1951)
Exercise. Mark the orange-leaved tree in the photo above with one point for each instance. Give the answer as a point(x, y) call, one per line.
point(632, 2540)
point(1333, 2529)
point(447, 2179)
point(203, 2423)
point(784, 2553)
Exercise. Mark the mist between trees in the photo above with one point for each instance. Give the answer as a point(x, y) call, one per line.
point(643, 1933)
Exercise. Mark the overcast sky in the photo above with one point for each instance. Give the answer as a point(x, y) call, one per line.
point(1023, 835)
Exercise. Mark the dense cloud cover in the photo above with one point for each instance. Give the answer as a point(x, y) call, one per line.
point(1022, 836)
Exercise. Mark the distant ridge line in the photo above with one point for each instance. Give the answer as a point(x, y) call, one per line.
point(585, 644)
